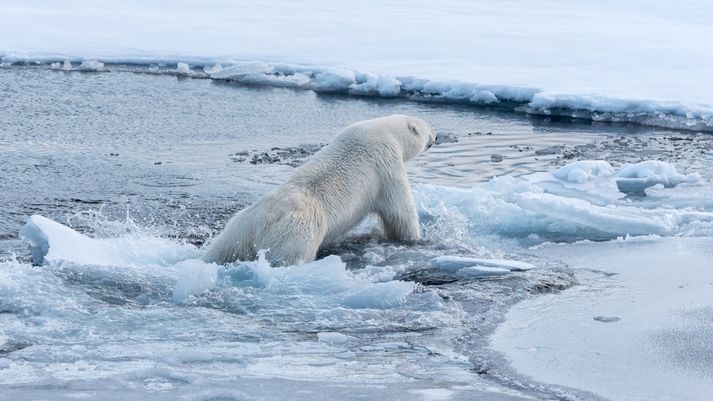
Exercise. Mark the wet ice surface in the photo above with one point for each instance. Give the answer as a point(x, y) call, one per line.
point(143, 168)
point(632, 330)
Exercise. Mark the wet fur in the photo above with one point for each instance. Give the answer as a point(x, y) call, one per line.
point(362, 171)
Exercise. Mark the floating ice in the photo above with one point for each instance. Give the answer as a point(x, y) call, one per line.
point(581, 200)
point(467, 267)
point(669, 114)
point(194, 277)
point(384, 86)
point(584, 170)
point(333, 337)
point(451, 263)
point(252, 320)
point(635, 178)
point(91, 65)
point(333, 80)
point(242, 70)
point(257, 73)
point(214, 69)
point(53, 242)
point(183, 69)
point(327, 278)
point(482, 271)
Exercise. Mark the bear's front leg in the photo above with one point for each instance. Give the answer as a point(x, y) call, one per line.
point(397, 211)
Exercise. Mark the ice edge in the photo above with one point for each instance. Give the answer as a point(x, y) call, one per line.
point(520, 99)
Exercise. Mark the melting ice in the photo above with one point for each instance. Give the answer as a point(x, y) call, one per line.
point(143, 311)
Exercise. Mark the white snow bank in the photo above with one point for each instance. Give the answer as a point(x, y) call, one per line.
point(581, 200)
point(607, 61)
point(519, 98)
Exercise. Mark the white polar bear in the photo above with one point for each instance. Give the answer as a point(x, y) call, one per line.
point(362, 171)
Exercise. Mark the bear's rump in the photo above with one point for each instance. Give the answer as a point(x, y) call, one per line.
point(295, 237)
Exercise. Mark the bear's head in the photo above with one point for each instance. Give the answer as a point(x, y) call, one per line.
point(415, 135)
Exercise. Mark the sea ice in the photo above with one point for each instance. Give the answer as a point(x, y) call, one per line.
point(333, 337)
point(183, 69)
point(333, 80)
point(584, 170)
point(635, 328)
point(581, 200)
point(635, 178)
point(93, 295)
point(91, 65)
point(51, 242)
point(214, 69)
point(451, 263)
point(593, 66)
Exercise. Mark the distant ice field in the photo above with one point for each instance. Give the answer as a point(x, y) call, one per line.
point(644, 62)
point(113, 180)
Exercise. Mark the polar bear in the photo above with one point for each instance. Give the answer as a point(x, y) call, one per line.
point(360, 172)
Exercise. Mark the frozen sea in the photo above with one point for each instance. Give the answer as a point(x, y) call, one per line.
point(644, 61)
point(562, 258)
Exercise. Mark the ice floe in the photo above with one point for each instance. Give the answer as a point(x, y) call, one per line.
point(53, 243)
point(582, 200)
point(389, 50)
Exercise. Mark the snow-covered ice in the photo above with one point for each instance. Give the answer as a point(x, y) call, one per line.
point(636, 328)
point(630, 61)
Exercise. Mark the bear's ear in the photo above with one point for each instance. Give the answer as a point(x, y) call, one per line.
point(413, 129)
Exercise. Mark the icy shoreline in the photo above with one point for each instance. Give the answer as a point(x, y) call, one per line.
point(518, 99)
point(624, 61)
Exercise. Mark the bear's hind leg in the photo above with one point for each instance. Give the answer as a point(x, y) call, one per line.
point(298, 240)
